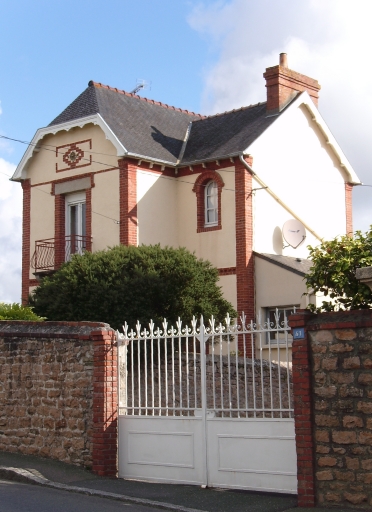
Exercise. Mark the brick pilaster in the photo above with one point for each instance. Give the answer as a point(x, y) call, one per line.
point(26, 249)
point(303, 416)
point(105, 402)
point(88, 218)
point(59, 230)
point(244, 241)
point(128, 202)
point(349, 208)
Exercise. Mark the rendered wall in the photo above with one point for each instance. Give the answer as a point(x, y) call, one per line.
point(218, 246)
point(58, 392)
point(157, 209)
point(301, 169)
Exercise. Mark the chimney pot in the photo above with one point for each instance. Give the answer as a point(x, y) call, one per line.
point(283, 60)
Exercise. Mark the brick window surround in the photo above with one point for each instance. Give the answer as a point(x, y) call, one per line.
point(199, 189)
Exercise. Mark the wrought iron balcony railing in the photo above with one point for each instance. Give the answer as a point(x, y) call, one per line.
point(52, 252)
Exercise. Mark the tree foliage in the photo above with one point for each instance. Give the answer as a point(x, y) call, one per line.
point(334, 272)
point(17, 312)
point(132, 283)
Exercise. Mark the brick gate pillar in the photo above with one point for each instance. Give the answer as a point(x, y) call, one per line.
point(303, 415)
point(105, 403)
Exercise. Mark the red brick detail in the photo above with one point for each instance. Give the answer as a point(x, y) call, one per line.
point(105, 404)
point(303, 415)
point(227, 271)
point(26, 249)
point(214, 165)
point(244, 242)
point(88, 218)
point(34, 282)
point(59, 230)
point(349, 208)
point(282, 85)
point(73, 148)
point(72, 178)
point(199, 188)
point(128, 202)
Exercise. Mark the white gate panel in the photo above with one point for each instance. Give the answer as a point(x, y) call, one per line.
point(201, 405)
point(255, 454)
point(162, 449)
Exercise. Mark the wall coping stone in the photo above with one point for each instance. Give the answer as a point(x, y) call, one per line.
point(23, 328)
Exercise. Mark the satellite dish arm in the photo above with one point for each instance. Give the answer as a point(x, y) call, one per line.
point(277, 198)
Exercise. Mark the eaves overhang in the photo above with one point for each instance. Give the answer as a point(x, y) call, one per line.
point(21, 171)
point(304, 100)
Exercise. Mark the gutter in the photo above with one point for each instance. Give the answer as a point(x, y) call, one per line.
point(277, 198)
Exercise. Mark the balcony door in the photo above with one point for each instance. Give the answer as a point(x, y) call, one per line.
point(75, 224)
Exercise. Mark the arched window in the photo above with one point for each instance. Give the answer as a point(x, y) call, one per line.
point(211, 204)
point(208, 188)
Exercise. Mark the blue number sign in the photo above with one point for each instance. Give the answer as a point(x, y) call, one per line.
point(299, 333)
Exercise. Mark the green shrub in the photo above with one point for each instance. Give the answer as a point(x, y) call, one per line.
point(132, 283)
point(334, 272)
point(17, 312)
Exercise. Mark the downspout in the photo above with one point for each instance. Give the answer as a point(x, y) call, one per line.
point(285, 206)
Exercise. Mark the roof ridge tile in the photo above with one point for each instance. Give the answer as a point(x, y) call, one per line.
point(91, 83)
point(234, 110)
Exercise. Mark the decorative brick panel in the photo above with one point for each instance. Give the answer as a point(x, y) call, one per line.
point(26, 241)
point(128, 202)
point(199, 188)
point(244, 242)
point(349, 208)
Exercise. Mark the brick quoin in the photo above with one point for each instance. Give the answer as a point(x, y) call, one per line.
point(244, 243)
point(105, 402)
point(26, 249)
point(349, 208)
point(59, 230)
point(128, 202)
point(303, 416)
point(199, 188)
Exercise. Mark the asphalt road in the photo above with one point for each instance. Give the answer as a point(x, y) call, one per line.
point(17, 497)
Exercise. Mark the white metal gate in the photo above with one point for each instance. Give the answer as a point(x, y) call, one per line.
point(204, 404)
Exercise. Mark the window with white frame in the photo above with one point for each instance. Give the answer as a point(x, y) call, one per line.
point(278, 319)
point(211, 204)
point(75, 224)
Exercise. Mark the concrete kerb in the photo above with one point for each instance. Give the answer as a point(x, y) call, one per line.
point(26, 476)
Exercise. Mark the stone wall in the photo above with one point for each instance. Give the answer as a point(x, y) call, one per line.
point(58, 391)
point(337, 373)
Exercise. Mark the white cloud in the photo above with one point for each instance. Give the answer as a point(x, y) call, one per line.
point(329, 41)
point(10, 235)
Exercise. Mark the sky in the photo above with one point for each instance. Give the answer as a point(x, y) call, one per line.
point(205, 56)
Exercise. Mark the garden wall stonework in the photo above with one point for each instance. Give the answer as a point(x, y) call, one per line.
point(338, 368)
point(58, 392)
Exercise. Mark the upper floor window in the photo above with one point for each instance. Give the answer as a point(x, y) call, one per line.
point(211, 204)
point(208, 188)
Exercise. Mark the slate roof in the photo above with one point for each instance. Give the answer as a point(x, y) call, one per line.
point(157, 131)
point(300, 266)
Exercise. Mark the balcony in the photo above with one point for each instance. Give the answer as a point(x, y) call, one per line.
point(52, 252)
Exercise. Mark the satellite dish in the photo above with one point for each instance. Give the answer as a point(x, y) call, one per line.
point(294, 233)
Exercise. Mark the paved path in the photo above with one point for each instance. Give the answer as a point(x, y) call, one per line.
point(56, 475)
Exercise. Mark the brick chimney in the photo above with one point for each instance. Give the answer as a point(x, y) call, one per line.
point(283, 85)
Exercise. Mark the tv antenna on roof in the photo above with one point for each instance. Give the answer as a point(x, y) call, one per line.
point(141, 84)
